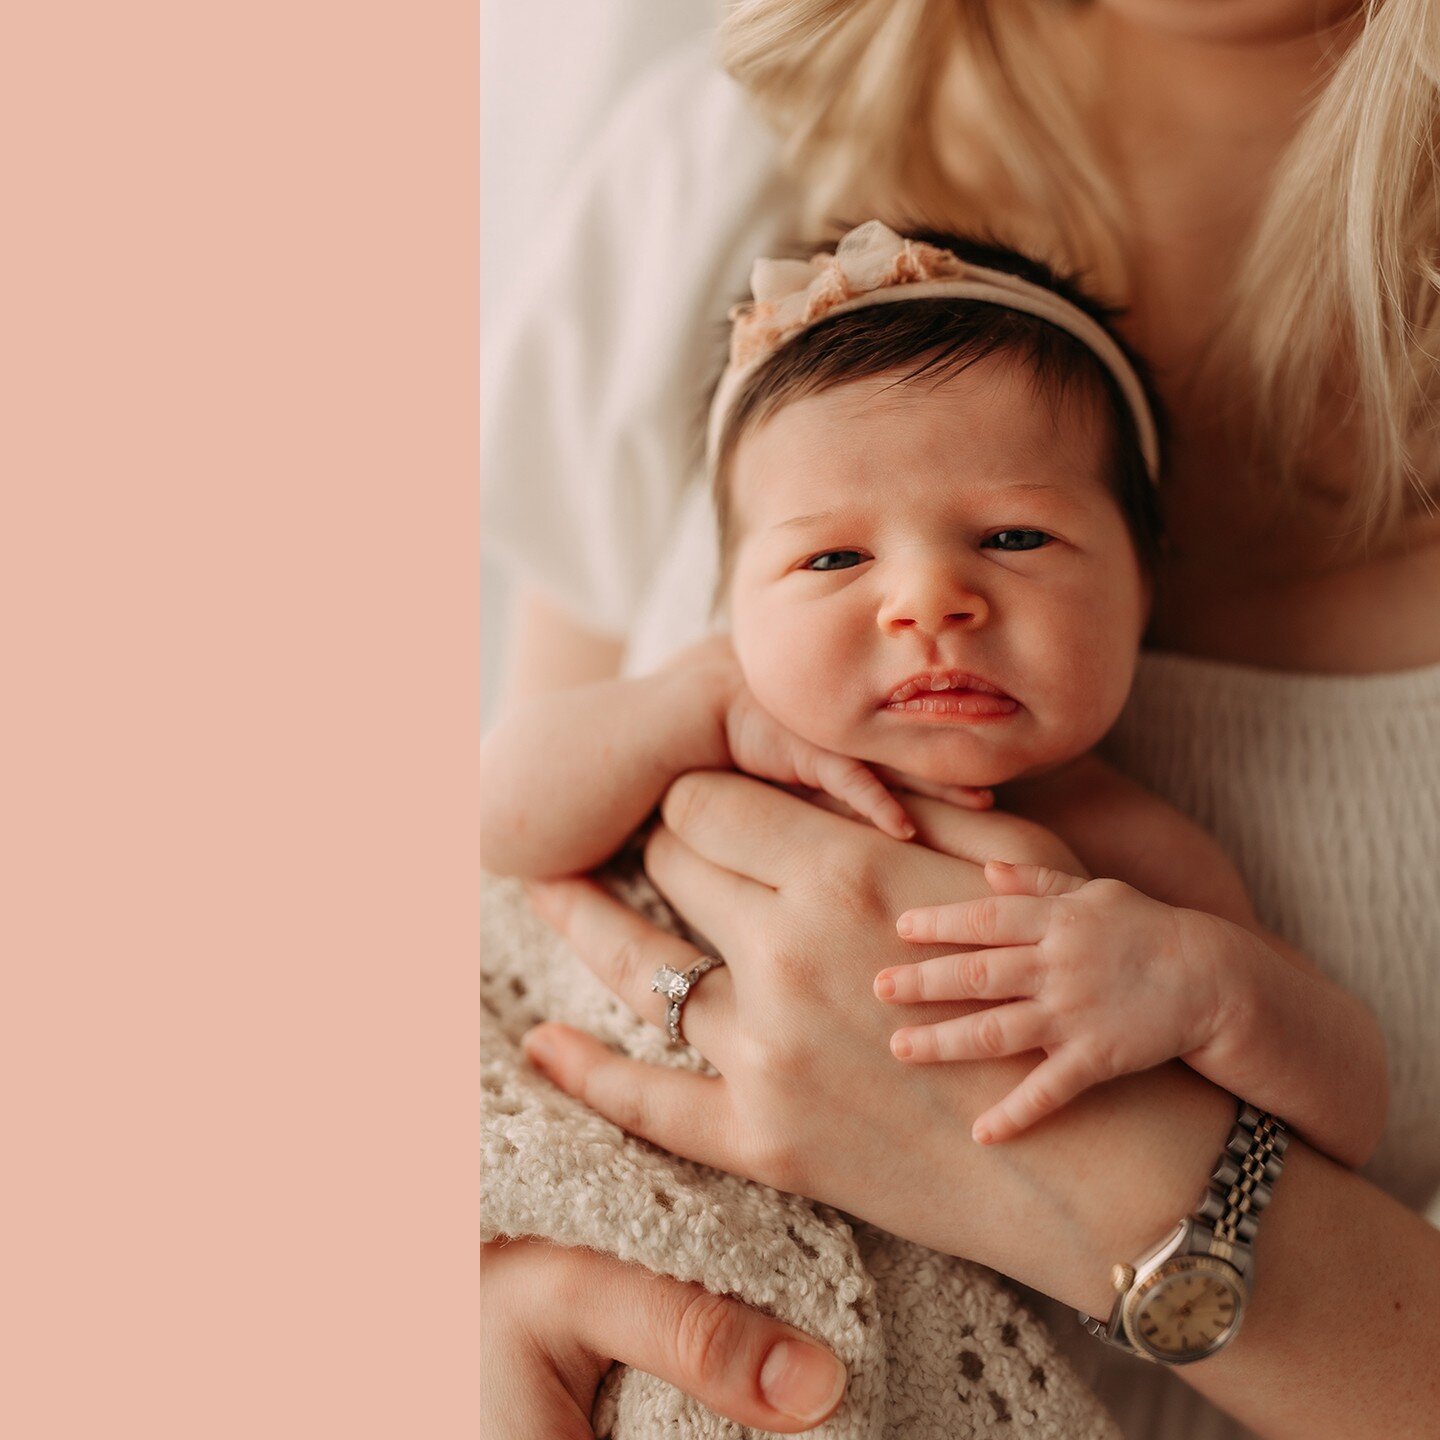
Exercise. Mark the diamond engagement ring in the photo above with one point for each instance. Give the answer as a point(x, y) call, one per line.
point(676, 986)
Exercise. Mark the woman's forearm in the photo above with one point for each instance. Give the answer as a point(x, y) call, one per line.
point(1293, 1042)
point(1342, 1332)
point(565, 778)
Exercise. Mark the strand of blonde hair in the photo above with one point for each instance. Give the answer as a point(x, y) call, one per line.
point(1336, 301)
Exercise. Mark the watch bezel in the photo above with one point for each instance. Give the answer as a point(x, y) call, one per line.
point(1144, 1288)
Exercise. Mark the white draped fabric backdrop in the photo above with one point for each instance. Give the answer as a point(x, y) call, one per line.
point(549, 72)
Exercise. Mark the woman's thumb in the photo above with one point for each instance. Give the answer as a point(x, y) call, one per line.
point(735, 1360)
point(1007, 879)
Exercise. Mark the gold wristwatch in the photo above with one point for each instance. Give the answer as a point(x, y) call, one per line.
point(1184, 1299)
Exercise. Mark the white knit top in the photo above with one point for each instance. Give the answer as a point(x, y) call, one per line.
point(1325, 791)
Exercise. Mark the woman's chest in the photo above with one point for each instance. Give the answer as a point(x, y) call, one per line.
point(1259, 571)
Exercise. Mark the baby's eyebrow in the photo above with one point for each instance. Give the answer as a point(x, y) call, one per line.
point(798, 520)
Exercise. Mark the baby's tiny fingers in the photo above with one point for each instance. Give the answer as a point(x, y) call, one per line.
point(1054, 1082)
point(1007, 879)
point(976, 974)
point(990, 920)
point(966, 797)
point(1002, 1030)
point(859, 787)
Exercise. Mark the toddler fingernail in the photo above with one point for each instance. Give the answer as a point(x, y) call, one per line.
point(905, 925)
point(900, 1047)
point(981, 1135)
point(802, 1381)
point(885, 987)
point(907, 830)
point(1002, 864)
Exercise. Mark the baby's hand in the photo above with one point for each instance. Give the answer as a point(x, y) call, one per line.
point(1103, 979)
point(762, 746)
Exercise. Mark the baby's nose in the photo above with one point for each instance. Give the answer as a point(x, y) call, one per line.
point(931, 600)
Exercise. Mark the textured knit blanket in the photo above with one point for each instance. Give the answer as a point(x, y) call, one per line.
point(936, 1348)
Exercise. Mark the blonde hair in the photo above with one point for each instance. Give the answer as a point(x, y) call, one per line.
point(1340, 274)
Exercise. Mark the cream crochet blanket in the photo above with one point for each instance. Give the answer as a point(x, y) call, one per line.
point(936, 1348)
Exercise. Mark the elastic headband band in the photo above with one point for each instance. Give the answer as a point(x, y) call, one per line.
point(872, 265)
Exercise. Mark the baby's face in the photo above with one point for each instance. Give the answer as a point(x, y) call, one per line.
point(936, 577)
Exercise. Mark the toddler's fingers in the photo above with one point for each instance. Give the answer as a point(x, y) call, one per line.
point(977, 975)
point(990, 920)
point(1001, 1030)
point(1052, 1083)
point(1007, 879)
point(860, 788)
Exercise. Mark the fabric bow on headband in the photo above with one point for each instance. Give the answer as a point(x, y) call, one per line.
point(791, 295)
point(872, 265)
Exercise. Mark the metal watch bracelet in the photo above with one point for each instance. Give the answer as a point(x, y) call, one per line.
point(1240, 1185)
point(1221, 1228)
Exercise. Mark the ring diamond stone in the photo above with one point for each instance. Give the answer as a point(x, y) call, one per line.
point(675, 986)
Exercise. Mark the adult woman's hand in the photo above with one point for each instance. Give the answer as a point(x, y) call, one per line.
point(554, 1318)
point(802, 904)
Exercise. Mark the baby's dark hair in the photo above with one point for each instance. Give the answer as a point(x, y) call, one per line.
point(936, 339)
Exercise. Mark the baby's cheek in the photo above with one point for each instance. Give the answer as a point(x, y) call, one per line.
point(1086, 702)
point(800, 687)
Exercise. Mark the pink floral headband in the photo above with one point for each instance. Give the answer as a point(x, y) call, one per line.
point(872, 265)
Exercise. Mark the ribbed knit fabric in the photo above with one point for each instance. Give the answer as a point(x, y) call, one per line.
point(936, 1348)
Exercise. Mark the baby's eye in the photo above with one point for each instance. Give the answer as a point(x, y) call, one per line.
point(1017, 540)
point(836, 560)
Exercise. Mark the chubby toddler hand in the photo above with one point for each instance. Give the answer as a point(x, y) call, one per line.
point(1101, 978)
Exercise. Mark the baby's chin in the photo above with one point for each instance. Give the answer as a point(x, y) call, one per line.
point(986, 772)
point(970, 772)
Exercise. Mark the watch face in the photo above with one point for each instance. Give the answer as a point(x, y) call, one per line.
point(1187, 1309)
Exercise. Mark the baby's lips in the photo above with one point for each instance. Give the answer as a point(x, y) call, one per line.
point(940, 682)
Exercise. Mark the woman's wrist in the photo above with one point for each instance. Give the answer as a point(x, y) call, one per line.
point(1113, 1175)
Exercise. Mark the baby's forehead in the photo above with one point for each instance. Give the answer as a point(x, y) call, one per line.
point(964, 437)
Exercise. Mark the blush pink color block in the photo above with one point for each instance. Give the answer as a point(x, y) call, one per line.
point(237, 1045)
